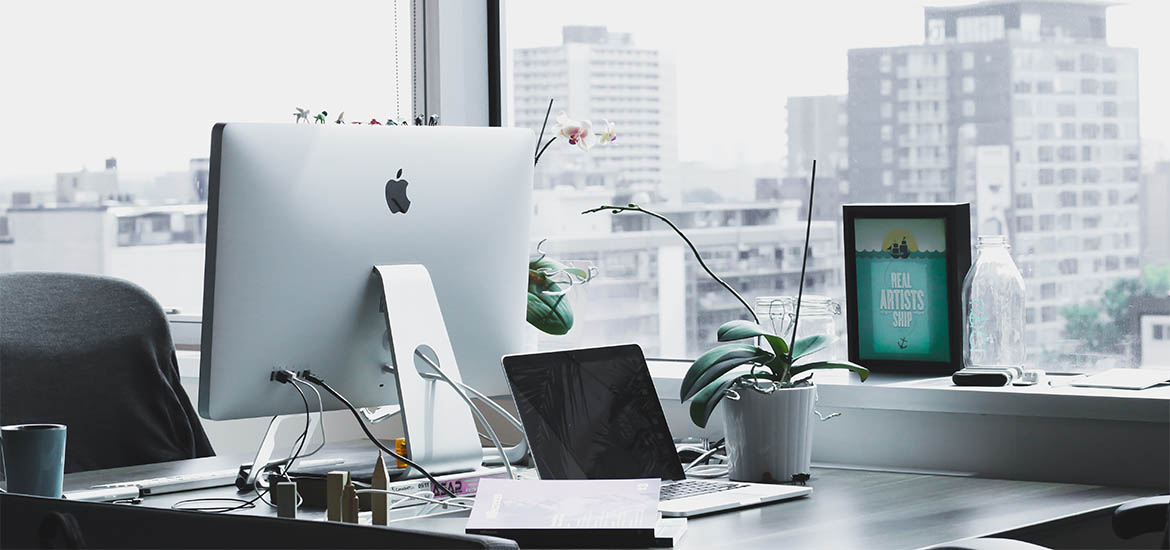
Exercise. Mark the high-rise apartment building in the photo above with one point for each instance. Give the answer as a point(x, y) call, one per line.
point(817, 130)
point(600, 75)
point(1022, 108)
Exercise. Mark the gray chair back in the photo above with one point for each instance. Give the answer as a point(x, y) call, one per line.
point(94, 353)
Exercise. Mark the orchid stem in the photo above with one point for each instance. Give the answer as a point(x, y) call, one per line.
point(803, 265)
point(695, 251)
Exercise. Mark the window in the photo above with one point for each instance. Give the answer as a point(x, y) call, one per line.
point(676, 151)
point(1044, 153)
point(122, 139)
point(1045, 176)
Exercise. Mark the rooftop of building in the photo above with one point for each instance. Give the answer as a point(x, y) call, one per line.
point(989, 3)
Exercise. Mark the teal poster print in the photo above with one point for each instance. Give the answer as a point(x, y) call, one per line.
point(902, 289)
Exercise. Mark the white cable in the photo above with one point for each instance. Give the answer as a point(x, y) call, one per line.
point(706, 454)
point(495, 406)
point(320, 417)
point(708, 471)
point(422, 495)
point(474, 410)
point(517, 452)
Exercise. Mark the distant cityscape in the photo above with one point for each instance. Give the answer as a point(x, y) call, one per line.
point(1025, 112)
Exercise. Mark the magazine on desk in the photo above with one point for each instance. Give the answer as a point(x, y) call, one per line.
point(575, 513)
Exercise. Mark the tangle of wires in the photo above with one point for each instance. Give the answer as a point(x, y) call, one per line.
point(224, 505)
point(703, 462)
point(310, 377)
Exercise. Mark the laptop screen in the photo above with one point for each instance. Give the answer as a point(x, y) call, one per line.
point(592, 414)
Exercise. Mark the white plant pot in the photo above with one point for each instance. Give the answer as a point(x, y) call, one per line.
point(769, 436)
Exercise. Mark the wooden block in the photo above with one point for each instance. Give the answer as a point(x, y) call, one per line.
point(286, 499)
point(335, 482)
point(379, 503)
point(349, 504)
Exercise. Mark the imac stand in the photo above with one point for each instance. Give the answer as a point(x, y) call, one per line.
point(439, 429)
point(268, 444)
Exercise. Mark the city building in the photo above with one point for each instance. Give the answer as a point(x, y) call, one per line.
point(600, 75)
point(1022, 108)
point(1151, 316)
point(85, 187)
point(652, 291)
point(817, 130)
point(158, 247)
point(1155, 223)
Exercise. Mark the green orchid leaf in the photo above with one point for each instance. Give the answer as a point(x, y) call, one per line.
point(716, 362)
point(549, 313)
point(705, 401)
point(816, 365)
point(811, 344)
point(542, 262)
point(578, 273)
point(740, 329)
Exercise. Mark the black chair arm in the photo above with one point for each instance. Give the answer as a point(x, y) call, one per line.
point(1144, 515)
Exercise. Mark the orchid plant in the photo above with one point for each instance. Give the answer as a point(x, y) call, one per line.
point(549, 280)
point(747, 366)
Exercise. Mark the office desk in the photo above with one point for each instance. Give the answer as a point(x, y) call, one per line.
point(847, 509)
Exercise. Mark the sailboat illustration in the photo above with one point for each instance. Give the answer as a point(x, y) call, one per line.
point(899, 250)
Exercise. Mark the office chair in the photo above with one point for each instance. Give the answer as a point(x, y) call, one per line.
point(94, 353)
point(1137, 517)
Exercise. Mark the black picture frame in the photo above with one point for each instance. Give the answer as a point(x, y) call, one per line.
point(957, 226)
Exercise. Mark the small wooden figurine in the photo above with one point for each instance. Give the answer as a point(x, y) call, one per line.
point(379, 502)
point(335, 483)
point(349, 503)
point(286, 499)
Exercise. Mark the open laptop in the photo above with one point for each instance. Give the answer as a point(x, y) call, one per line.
point(593, 414)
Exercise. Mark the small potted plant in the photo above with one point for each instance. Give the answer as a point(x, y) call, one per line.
point(768, 418)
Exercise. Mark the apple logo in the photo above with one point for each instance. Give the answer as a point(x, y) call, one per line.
point(396, 194)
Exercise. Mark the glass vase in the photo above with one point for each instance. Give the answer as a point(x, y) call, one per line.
point(993, 308)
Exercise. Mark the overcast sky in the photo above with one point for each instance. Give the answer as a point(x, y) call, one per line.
point(145, 80)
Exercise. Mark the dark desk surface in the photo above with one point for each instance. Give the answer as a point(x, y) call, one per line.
point(847, 509)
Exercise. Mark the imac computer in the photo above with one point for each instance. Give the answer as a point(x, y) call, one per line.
point(299, 215)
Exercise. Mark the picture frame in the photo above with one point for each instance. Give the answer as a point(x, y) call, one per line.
point(903, 294)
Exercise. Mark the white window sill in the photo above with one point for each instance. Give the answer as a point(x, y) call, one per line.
point(1058, 433)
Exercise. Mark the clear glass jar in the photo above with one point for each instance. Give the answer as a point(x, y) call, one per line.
point(818, 315)
point(993, 307)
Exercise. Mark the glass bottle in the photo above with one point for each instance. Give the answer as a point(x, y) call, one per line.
point(993, 308)
point(818, 315)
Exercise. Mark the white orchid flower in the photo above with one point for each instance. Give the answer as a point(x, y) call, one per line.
point(576, 131)
point(608, 135)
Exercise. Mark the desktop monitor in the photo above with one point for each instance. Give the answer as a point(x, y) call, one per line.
point(298, 216)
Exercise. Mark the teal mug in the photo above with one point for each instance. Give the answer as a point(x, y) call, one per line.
point(34, 458)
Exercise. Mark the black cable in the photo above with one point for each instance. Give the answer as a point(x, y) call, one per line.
point(241, 503)
point(321, 382)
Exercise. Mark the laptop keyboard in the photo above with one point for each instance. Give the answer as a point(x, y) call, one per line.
point(695, 487)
